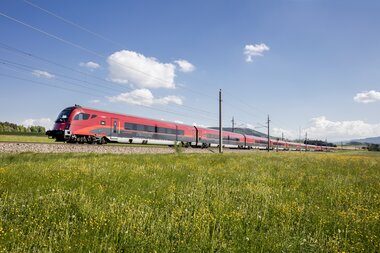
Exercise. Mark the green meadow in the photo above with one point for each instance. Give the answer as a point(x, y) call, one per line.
point(257, 202)
point(25, 138)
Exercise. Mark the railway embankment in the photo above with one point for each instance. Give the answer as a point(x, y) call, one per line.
point(20, 147)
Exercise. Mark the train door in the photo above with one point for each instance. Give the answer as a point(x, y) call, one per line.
point(195, 135)
point(199, 137)
point(115, 129)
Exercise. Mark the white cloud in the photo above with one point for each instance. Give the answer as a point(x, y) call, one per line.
point(277, 132)
point(178, 121)
point(342, 129)
point(251, 51)
point(144, 97)
point(322, 128)
point(185, 66)
point(168, 99)
point(90, 65)
point(367, 97)
point(199, 125)
point(95, 101)
point(45, 122)
point(43, 74)
point(144, 72)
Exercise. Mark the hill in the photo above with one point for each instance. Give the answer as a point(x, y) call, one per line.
point(240, 130)
point(372, 140)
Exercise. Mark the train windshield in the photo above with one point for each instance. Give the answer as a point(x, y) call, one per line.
point(64, 115)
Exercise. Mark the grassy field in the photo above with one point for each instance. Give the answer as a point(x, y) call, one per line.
point(289, 202)
point(25, 138)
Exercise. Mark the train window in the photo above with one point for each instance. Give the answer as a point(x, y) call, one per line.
point(128, 126)
point(140, 127)
point(82, 116)
point(149, 128)
point(94, 116)
point(161, 130)
point(164, 130)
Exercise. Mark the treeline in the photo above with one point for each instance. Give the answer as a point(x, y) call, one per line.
point(6, 127)
point(319, 143)
point(374, 147)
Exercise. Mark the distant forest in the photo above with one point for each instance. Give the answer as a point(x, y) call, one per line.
point(6, 127)
point(374, 147)
point(319, 143)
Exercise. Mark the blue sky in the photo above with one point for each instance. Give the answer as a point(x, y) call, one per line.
point(314, 65)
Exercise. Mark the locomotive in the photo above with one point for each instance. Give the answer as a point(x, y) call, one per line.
point(77, 124)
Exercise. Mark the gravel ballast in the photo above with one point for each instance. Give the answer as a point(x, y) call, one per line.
point(13, 147)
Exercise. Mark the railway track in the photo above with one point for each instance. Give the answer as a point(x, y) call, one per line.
point(38, 147)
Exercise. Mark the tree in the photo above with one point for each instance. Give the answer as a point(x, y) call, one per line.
point(374, 147)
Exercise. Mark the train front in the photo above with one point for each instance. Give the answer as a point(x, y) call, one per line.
point(61, 129)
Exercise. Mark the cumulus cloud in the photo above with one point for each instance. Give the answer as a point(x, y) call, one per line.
point(342, 129)
point(278, 132)
point(200, 125)
point(185, 66)
point(144, 97)
point(95, 101)
point(45, 122)
point(90, 65)
point(322, 128)
point(367, 97)
point(251, 51)
point(143, 72)
point(42, 74)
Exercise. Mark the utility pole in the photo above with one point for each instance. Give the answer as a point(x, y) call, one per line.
point(268, 134)
point(282, 136)
point(306, 141)
point(299, 134)
point(220, 123)
point(233, 124)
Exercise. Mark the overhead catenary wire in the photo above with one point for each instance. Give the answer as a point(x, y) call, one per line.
point(92, 51)
point(16, 69)
point(28, 69)
point(67, 21)
point(28, 54)
point(243, 102)
point(73, 24)
point(75, 45)
point(92, 95)
point(119, 90)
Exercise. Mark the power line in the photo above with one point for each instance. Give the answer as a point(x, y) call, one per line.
point(103, 38)
point(63, 66)
point(29, 69)
point(17, 69)
point(94, 52)
point(28, 54)
point(93, 95)
point(91, 51)
point(72, 23)
point(82, 48)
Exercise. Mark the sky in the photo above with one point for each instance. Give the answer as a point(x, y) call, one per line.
point(312, 66)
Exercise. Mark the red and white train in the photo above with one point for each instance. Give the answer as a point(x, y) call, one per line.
point(77, 124)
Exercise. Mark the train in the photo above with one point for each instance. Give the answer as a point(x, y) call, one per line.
point(77, 124)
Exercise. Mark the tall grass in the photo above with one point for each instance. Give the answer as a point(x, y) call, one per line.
point(190, 203)
point(24, 138)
